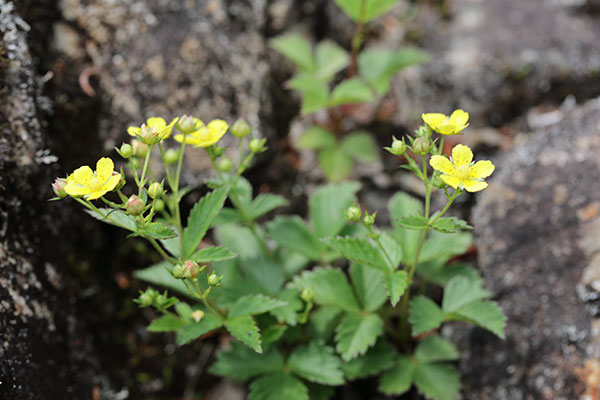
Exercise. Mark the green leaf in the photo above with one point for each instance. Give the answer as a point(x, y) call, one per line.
point(193, 331)
point(213, 253)
point(416, 221)
point(166, 323)
point(356, 333)
point(373, 8)
point(358, 250)
point(351, 91)
point(245, 330)
point(327, 204)
point(461, 291)
point(322, 323)
point(289, 312)
point(450, 225)
point(319, 392)
point(438, 272)
point(228, 216)
point(158, 274)
point(157, 230)
point(399, 379)
point(239, 239)
point(315, 93)
point(445, 245)
point(115, 217)
point(316, 137)
point(239, 363)
point(273, 333)
point(278, 386)
point(330, 287)
point(378, 358)
point(295, 47)
point(335, 163)
point(368, 285)
point(254, 304)
point(425, 315)
point(316, 363)
point(395, 283)
point(486, 314)
point(201, 216)
point(392, 248)
point(361, 146)
point(437, 381)
point(401, 205)
point(434, 349)
point(267, 274)
point(291, 232)
point(264, 203)
point(330, 58)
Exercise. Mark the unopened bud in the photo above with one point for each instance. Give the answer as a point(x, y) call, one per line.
point(257, 145)
point(398, 147)
point(423, 131)
point(59, 187)
point(353, 214)
point(369, 219)
point(146, 299)
point(126, 150)
point(139, 148)
point(241, 128)
point(214, 279)
point(159, 205)
point(177, 271)
point(421, 146)
point(307, 295)
point(156, 190)
point(171, 156)
point(224, 164)
point(134, 205)
point(121, 183)
point(191, 270)
point(186, 124)
point(438, 182)
point(198, 315)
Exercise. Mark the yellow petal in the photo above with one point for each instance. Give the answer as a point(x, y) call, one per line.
point(76, 189)
point(450, 180)
point(461, 155)
point(473, 185)
point(459, 118)
point(198, 122)
point(82, 175)
point(166, 131)
point(111, 183)
point(481, 169)
point(433, 119)
point(447, 129)
point(156, 122)
point(442, 164)
point(96, 194)
point(189, 139)
point(104, 168)
point(134, 131)
point(216, 129)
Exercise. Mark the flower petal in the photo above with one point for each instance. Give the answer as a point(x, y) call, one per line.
point(481, 169)
point(166, 131)
point(96, 194)
point(450, 180)
point(459, 118)
point(156, 122)
point(461, 155)
point(473, 185)
point(442, 164)
point(104, 169)
point(134, 131)
point(76, 189)
point(111, 183)
point(82, 175)
point(433, 119)
point(447, 129)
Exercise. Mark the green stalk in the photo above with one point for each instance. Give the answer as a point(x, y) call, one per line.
point(358, 38)
point(141, 183)
point(175, 189)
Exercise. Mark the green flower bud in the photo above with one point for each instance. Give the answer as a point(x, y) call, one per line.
point(59, 187)
point(369, 219)
point(241, 128)
point(156, 190)
point(159, 205)
point(171, 156)
point(139, 149)
point(186, 124)
point(224, 164)
point(214, 279)
point(177, 271)
point(191, 269)
point(423, 131)
point(146, 299)
point(257, 145)
point(353, 214)
point(161, 300)
point(398, 147)
point(134, 205)
point(307, 295)
point(421, 146)
point(126, 150)
point(121, 183)
point(218, 150)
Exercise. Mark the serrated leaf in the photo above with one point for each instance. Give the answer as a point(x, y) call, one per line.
point(425, 315)
point(166, 323)
point(440, 273)
point(315, 138)
point(201, 216)
point(158, 274)
point(378, 358)
point(398, 380)
point(322, 323)
point(401, 205)
point(115, 217)
point(461, 291)
point(330, 58)
point(295, 47)
point(351, 91)
point(157, 230)
point(239, 239)
point(212, 254)
point(395, 283)
point(278, 386)
point(289, 312)
point(273, 333)
point(372, 10)
point(316, 363)
point(445, 245)
point(335, 163)
point(254, 304)
point(327, 204)
point(193, 331)
point(450, 225)
point(356, 333)
point(361, 146)
point(228, 216)
point(329, 286)
point(240, 363)
point(291, 231)
point(437, 381)
point(358, 250)
point(319, 392)
point(486, 314)
point(314, 92)
point(368, 285)
point(434, 349)
point(245, 330)
point(264, 203)
point(392, 248)
point(416, 221)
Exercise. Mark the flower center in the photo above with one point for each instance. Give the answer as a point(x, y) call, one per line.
point(462, 172)
point(95, 183)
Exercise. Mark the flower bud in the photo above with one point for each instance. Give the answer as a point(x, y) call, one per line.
point(214, 279)
point(177, 271)
point(438, 182)
point(134, 205)
point(59, 187)
point(171, 156)
point(191, 270)
point(186, 124)
point(198, 315)
point(423, 131)
point(257, 145)
point(139, 148)
point(369, 219)
point(146, 299)
point(241, 128)
point(156, 190)
point(421, 146)
point(307, 295)
point(224, 164)
point(126, 150)
point(398, 147)
point(353, 214)
point(159, 205)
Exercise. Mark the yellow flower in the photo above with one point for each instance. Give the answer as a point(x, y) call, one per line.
point(153, 131)
point(460, 171)
point(447, 125)
point(206, 135)
point(93, 184)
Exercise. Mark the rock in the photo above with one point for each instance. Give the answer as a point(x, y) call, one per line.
point(537, 226)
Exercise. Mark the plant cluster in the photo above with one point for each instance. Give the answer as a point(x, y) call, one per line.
point(312, 303)
point(368, 73)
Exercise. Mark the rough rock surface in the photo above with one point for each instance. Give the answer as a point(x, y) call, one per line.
point(538, 225)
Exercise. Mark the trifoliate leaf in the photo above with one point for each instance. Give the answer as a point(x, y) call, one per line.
point(291, 232)
point(350, 91)
point(372, 8)
point(356, 333)
point(329, 286)
point(193, 331)
point(368, 285)
point(316, 363)
point(486, 314)
point(254, 304)
point(278, 386)
point(434, 348)
point(316, 138)
point(461, 291)
point(166, 323)
point(395, 283)
point(295, 47)
point(245, 330)
point(361, 146)
point(425, 315)
point(399, 379)
point(358, 250)
point(437, 381)
point(212, 254)
point(327, 204)
point(330, 58)
point(335, 163)
point(200, 219)
point(378, 358)
point(240, 363)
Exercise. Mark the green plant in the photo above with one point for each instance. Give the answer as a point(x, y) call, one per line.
point(368, 76)
point(311, 303)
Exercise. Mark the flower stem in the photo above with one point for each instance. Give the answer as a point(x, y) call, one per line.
point(142, 182)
